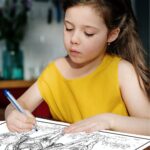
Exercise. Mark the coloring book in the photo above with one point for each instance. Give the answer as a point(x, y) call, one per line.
point(50, 136)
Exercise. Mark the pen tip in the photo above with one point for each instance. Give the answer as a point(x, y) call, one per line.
point(35, 128)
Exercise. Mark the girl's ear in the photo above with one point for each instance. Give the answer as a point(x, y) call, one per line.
point(113, 35)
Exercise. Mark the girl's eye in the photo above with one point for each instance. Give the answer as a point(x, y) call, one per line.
point(69, 29)
point(89, 34)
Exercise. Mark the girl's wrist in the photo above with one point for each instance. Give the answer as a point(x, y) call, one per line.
point(9, 109)
point(115, 121)
point(111, 120)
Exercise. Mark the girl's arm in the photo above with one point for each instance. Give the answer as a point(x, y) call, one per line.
point(131, 124)
point(17, 121)
point(114, 122)
point(135, 99)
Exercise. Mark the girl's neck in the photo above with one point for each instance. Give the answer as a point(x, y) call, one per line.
point(79, 70)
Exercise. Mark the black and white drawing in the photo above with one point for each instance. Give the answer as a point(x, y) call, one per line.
point(50, 136)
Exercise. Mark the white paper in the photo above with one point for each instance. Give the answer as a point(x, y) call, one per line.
point(50, 137)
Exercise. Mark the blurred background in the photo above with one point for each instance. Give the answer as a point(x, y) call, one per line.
point(35, 27)
point(40, 28)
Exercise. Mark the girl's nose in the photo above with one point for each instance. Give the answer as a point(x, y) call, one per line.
point(75, 39)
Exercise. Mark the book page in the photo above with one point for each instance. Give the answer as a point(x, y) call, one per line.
point(50, 136)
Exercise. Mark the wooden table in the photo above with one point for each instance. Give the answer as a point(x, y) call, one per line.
point(16, 84)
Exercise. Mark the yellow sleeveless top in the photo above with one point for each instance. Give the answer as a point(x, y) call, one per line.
point(71, 100)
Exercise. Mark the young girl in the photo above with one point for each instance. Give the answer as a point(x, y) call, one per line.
point(103, 80)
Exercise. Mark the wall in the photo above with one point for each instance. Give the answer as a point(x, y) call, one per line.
point(43, 42)
point(144, 23)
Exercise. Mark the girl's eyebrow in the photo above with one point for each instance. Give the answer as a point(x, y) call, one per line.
point(66, 21)
point(86, 26)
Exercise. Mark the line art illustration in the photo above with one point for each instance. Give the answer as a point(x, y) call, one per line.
point(50, 136)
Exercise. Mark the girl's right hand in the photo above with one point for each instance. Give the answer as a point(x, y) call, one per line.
point(19, 122)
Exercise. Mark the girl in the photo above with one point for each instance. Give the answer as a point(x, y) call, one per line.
point(103, 80)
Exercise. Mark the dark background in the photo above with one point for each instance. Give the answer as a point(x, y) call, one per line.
point(142, 10)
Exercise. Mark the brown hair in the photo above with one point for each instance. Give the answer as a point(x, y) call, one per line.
point(119, 13)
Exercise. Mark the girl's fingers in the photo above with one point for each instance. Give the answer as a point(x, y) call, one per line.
point(29, 114)
point(78, 127)
point(83, 128)
point(26, 118)
point(89, 125)
point(30, 119)
point(21, 126)
point(93, 129)
point(22, 123)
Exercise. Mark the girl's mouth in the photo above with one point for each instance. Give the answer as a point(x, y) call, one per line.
point(74, 53)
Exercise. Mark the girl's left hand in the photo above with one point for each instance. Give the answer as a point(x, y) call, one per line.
point(99, 122)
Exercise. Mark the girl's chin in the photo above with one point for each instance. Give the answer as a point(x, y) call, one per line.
point(77, 63)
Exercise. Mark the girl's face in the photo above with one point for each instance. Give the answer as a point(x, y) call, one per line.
point(85, 34)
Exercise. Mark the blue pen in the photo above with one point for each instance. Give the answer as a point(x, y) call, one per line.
point(14, 102)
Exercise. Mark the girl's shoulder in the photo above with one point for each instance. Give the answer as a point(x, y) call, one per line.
point(52, 68)
point(60, 63)
point(126, 74)
point(125, 67)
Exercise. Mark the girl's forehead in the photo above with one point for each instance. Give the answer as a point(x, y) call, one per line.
point(84, 14)
point(88, 8)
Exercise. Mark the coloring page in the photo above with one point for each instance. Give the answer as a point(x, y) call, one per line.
point(50, 136)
